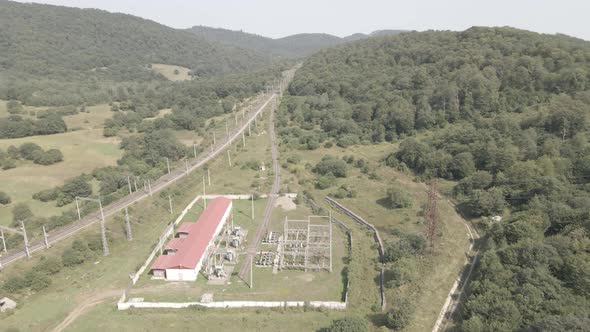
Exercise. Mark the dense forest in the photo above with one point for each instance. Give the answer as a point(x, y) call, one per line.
point(505, 114)
point(56, 55)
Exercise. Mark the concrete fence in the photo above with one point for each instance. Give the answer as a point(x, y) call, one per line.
point(123, 304)
point(377, 238)
point(233, 304)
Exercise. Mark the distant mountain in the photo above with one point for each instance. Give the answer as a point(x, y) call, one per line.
point(62, 42)
point(380, 33)
point(294, 46)
point(307, 43)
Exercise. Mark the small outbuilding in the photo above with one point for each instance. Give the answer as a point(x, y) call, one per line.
point(7, 304)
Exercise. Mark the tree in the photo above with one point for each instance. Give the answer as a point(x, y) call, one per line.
point(4, 198)
point(399, 316)
point(329, 164)
point(487, 202)
point(462, 165)
point(21, 212)
point(398, 198)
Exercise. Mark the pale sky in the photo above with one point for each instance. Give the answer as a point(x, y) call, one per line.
point(276, 18)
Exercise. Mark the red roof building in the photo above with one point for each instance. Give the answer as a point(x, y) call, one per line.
point(184, 254)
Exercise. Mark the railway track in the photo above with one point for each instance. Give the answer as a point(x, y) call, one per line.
point(160, 184)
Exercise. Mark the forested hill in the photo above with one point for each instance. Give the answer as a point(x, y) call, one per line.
point(504, 113)
point(294, 46)
point(69, 43)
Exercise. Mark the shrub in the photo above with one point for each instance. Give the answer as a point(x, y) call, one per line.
point(14, 284)
point(37, 280)
point(325, 181)
point(348, 324)
point(4, 198)
point(329, 164)
point(399, 317)
point(398, 198)
point(49, 265)
point(46, 195)
point(48, 157)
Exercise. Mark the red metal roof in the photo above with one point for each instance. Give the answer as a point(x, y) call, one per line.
point(185, 227)
point(191, 249)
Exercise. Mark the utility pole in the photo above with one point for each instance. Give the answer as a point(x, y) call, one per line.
point(45, 239)
point(236, 117)
point(129, 184)
point(213, 138)
point(209, 176)
point(168, 164)
point(128, 225)
point(78, 209)
point(149, 183)
point(244, 139)
point(135, 182)
point(249, 128)
point(105, 243)
point(251, 270)
point(195, 150)
point(3, 240)
point(186, 165)
point(27, 252)
point(252, 200)
point(170, 203)
point(204, 199)
point(228, 158)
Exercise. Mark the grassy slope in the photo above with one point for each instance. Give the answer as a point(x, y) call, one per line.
point(168, 72)
point(453, 243)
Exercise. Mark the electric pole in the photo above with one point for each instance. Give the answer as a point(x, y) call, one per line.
point(186, 165)
point(3, 240)
point(170, 203)
point(213, 138)
point(208, 176)
point(129, 184)
point(27, 252)
point(228, 158)
point(195, 150)
point(78, 209)
point(251, 269)
point(105, 243)
point(252, 200)
point(45, 239)
point(204, 200)
point(168, 164)
point(128, 225)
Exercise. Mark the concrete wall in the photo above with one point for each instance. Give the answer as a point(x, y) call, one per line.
point(234, 304)
point(181, 274)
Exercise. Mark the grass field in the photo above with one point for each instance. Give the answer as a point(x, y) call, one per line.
point(92, 119)
point(168, 71)
point(83, 151)
point(429, 293)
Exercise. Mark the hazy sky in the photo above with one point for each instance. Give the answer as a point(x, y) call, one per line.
point(276, 18)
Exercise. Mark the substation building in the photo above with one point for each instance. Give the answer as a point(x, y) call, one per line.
point(184, 256)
